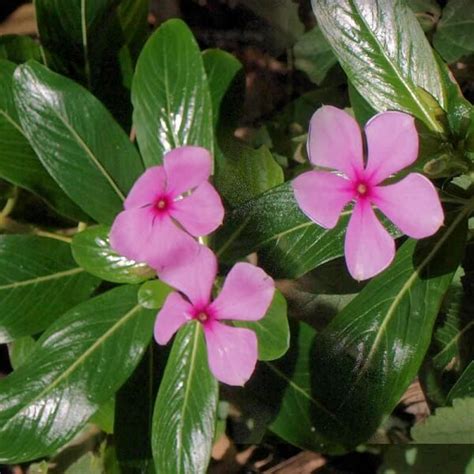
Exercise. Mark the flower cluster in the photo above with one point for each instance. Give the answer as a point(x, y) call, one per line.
point(167, 208)
point(171, 205)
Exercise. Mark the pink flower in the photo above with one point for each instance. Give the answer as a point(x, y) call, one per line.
point(246, 295)
point(412, 204)
point(167, 206)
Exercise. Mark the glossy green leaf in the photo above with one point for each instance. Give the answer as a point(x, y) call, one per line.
point(77, 140)
point(288, 404)
point(18, 162)
point(39, 281)
point(272, 330)
point(77, 365)
point(464, 387)
point(85, 39)
point(288, 244)
point(152, 294)
point(449, 425)
point(185, 411)
point(19, 49)
point(453, 38)
point(91, 250)
point(170, 95)
point(385, 54)
point(19, 350)
point(370, 352)
point(134, 413)
point(313, 55)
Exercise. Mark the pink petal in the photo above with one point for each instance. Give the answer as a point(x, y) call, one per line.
point(186, 168)
point(392, 142)
point(322, 196)
point(200, 213)
point(147, 188)
point(412, 205)
point(193, 277)
point(232, 352)
point(131, 233)
point(169, 246)
point(246, 294)
point(174, 313)
point(369, 248)
point(335, 141)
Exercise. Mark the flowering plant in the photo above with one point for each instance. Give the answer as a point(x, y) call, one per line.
point(172, 278)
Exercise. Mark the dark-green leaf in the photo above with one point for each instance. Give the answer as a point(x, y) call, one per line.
point(18, 162)
point(77, 140)
point(172, 105)
point(370, 352)
point(91, 250)
point(385, 54)
point(77, 365)
point(464, 387)
point(185, 410)
point(39, 281)
point(289, 244)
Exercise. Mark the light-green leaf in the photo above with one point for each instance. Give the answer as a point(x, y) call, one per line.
point(385, 54)
point(91, 250)
point(77, 140)
point(153, 294)
point(185, 411)
point(77, 365)
point(449, 425)
point(39, 281)
point(170, 95)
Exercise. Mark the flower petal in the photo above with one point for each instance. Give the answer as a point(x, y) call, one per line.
point(169, 246)
point(174, 313)
point(322, 196)
point(232, 352)
point(147, 188)
point(193, 277)
point(186, 168)
point(335, 141)
point(412, 205)
point(369, 248)
point(200, 213)
point(131, 233)
point(392, 142)
point(246, 294)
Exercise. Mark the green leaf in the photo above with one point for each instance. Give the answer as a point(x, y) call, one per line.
point(19, 49)
point(39, 281)
point(371, 351)
point(77, 365)
point(134, 413)
point(18, 162)
point(91, 250)
point(449, 425)
point(104, 417)
point(288, 243)
point(288, 404)
point(185, 411)
point(242, 173)
point(152, 294)
point(77, 140)
point(133, 17)
point(453, 38)
point(170, 95)
point(19, 350)
point(85, 39)
point(427, 13)
point(272, 330)
point(386, 55)
point(464, 387)
point(313, 55)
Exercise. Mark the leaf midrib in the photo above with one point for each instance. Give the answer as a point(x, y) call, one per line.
point(435, 126)
point(42, 279)
point(78, 362)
